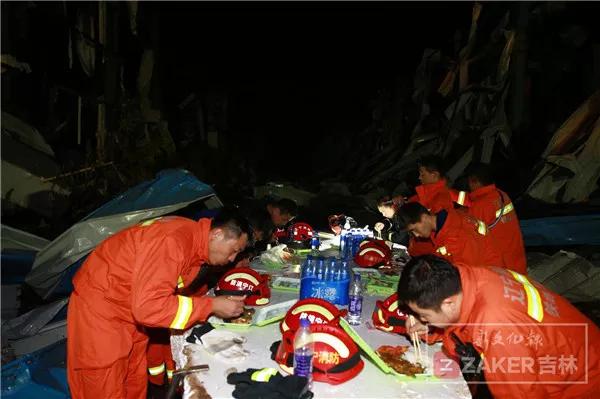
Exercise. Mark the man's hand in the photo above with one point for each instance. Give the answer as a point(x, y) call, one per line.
point(378, 226)
point(416, 326)
point(228, 307)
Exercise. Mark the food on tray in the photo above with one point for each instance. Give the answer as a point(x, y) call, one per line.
point(244, 318)
point(392, 356)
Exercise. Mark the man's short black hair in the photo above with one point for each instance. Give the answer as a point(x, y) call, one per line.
point(270, 201)
point(233, 222)
point(287, 207)
point(260, 221)
point(481, 172)
point(433, 163)
point(427, 281)
point(386, 200)
point(410, 213)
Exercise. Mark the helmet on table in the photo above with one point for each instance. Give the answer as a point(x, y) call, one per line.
point(241, 281)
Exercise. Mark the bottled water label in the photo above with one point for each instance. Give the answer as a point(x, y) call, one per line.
point(303, 364)
point(355, 308)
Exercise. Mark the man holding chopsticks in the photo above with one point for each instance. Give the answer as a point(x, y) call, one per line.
point(527, 340)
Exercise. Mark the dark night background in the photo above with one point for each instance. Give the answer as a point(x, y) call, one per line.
point(297, 91)
point(333, 102)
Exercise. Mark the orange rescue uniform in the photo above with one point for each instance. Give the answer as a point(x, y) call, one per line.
point(533, 343)
point(494, 206)
point(159, 357)
point(435, 197)
point(127, 283)
point(463, 239)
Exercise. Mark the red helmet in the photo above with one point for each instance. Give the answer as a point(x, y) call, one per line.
point(388, 316)
point(316, 310)
point(336, 357)
point(373, 253)
point(245, 281)
point(300, 232)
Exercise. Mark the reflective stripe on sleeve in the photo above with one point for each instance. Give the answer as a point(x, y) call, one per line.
point(481, 228)
point(442, 251)
point(461, 197)
point(170, 374)
point(506, 210)
point(180, 283)
point(535, 309)
point(184, 311)
point(156, 370)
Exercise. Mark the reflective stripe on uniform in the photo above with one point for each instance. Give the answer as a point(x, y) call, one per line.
point(263, 375)
point(170, 374)
point(442, 251)
point(184, 311)
point(506, 210)
point(180, 282)
point(156, 370)
point(535, 309)
point(481, 228)
point(462, 195)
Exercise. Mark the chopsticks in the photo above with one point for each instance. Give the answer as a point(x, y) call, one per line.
point(415, 340)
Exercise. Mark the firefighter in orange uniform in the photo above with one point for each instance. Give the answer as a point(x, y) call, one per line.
point(494, 207)
point(129, 283)
point(456, 236)
point(433, 194)
point(159, 356)
point(525, 341)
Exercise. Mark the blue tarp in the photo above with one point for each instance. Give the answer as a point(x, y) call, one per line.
point(562, 230)
point(40, 374)
point(170, 186)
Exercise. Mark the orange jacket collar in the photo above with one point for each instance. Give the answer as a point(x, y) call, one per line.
point(201, 239)
point(480, 192)
point(427, 191)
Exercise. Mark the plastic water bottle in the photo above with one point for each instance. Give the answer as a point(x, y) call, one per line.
point(332, 269)
point(348, 246)
point(309, 267)
point(303, 351)
point(320, 268)
point(356, 298)
point(343, 242)
point(315, 243)
point(343, 270)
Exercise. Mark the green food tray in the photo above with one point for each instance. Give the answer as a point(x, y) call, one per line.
point(263, 316)
point(374, 357)
point(288, 284)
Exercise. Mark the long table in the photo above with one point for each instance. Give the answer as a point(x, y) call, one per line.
point(371, 382)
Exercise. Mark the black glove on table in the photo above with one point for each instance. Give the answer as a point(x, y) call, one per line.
point(268, 384)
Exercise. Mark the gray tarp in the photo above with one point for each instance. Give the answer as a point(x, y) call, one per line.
point(18, 239)
point(170, 191)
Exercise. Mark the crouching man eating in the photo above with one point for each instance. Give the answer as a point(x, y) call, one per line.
point(529, 342)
